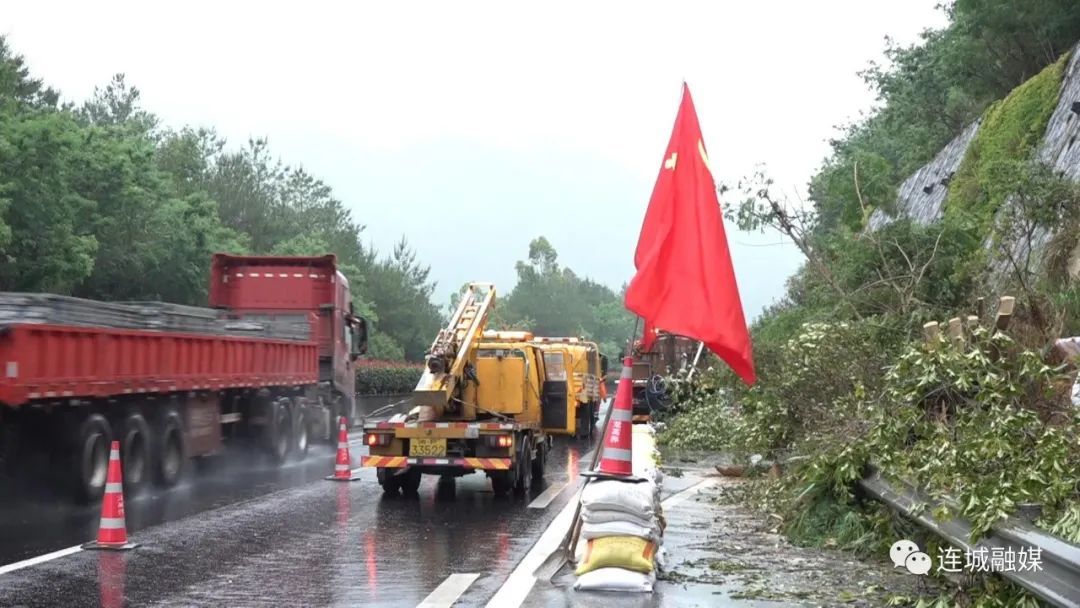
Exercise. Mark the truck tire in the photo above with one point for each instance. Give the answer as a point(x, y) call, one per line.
point(388, 480)
point(502, 481)
point(135, 452)
point(172, 449)
point(278, 430)
point(524, 468)
point(585, 421)
point(91, 458)
point(301, 433)
point(410, 481)
point(540, 462)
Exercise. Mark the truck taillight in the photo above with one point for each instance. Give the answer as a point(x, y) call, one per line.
point(501, 441)
point(377, 438)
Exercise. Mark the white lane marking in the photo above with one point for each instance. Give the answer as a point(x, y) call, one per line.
point(548, 495)
point(683, 495)
point(521, 580)
point(449, 591)
point(33, 561)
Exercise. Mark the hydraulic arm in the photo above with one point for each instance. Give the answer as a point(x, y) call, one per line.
point(449, 362)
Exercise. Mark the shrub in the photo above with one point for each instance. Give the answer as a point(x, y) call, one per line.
point(802, 387)
point(375, 377)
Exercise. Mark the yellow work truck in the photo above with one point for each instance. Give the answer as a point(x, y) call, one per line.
point(584, 371)
point(486, 401)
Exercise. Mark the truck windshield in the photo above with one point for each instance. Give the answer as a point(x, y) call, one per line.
point(553, 362)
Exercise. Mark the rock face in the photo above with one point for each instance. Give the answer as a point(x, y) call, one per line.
point(1060, 151)
point(1060, 148)
point(922, 195)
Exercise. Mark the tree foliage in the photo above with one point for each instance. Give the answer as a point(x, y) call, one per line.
point(929, 91)
point(101, 200)
point(552, 300)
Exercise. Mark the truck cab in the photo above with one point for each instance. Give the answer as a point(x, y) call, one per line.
point(282, 289)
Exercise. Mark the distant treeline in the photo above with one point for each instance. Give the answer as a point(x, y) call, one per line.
point(100, 200)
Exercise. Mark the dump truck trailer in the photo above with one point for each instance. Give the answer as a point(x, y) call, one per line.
point(668, 354)
point(485, 402)
point(271, 359)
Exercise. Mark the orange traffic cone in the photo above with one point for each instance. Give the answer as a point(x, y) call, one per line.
point(343, 466)
point(112, 532)
point(618, 457)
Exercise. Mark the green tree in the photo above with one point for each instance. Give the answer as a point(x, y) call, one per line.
point(551, 300)
point(400, 291)
point(44, 245)
point(117, 104)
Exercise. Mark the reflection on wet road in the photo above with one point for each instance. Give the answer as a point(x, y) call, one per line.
point(248, 534)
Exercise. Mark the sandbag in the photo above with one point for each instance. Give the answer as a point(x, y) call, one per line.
point(627, 552)
point(634, 498)
point(603, 516)
point(620, 528)
point(615, 579)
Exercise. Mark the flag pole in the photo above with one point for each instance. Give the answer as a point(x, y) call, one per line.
point(633, 334)
point(697, 357)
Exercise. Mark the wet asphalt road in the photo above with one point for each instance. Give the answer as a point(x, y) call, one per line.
point(247, 534)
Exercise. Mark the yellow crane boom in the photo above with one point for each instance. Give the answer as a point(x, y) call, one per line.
point(448, 364)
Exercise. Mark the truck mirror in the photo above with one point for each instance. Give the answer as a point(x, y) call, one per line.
point(359, 329)
point(603, 365)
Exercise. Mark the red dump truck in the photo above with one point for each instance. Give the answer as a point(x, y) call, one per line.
point(271, 360)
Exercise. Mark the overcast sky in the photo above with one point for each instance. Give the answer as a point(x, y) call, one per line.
point(471, 128)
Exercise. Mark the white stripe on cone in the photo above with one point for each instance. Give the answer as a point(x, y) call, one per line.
point(112, 523)
point(618, 454)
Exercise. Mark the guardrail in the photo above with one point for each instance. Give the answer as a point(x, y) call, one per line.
point(1057, 582)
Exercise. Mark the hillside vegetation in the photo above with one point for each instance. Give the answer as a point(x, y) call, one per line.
point(845, 377)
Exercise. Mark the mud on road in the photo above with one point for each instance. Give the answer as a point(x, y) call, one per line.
point(729, 554)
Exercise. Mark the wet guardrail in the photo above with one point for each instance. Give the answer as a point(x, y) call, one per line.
point(1057, 579)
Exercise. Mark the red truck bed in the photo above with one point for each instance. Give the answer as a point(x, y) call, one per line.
point(39, 361)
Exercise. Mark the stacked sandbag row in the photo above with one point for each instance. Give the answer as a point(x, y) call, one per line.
point(621, 534)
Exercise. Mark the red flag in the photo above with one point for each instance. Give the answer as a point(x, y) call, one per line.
point(648, 337)
point(685, 283)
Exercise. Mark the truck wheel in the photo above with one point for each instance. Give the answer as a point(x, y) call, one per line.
point(301, 434)
point(584, 421)
point(502, 482)
point(389, 482)
point(278, 431)
point(540, 462)
point(172, 452)
point(135, 452)
point(410, 481)
point(91, 453)
point(524, 468)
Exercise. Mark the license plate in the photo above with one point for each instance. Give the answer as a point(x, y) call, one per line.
point(427, 447)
